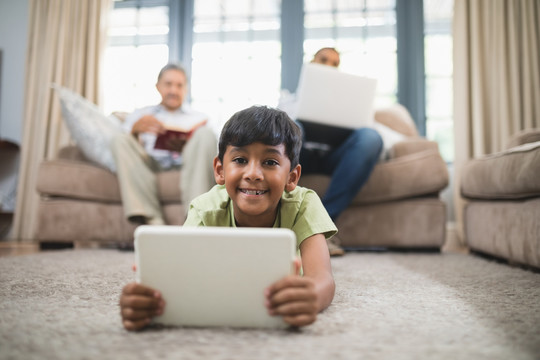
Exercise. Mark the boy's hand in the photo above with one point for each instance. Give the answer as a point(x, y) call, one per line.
point(138, 305)
point(294, 298)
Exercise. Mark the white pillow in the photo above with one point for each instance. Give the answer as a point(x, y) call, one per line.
point(389, 137)
point(91, 130)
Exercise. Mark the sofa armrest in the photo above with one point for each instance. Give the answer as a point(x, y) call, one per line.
point(509, 174)
point(71, 152)
point(412, 146)
point(77, 180)
point(524, 137)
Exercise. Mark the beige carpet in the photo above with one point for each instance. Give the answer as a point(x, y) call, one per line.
point(63, 305)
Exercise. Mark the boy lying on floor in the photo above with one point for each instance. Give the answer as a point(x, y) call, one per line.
point(257, 173)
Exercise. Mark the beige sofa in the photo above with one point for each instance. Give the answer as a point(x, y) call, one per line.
point(502, 193)
point(398, 207)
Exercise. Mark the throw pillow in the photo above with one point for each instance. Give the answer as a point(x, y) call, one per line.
point(397, 117)
point(91, 130)
point(389, 137)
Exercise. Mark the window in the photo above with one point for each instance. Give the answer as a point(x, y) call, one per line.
point(364, 32)
point(438, 57)
point(236, 55)
point(137, 49)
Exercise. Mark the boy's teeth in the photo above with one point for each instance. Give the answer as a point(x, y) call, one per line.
point(253, 192)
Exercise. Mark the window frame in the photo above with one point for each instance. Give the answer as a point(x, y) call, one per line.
point(410, 46)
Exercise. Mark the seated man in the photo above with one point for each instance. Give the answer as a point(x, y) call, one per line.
point(137, 160)
point(349, 164)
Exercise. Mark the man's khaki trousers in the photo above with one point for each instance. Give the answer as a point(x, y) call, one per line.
point(136, 171)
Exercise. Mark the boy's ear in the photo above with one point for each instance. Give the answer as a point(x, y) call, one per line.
point(293, 178)
point(218, 171)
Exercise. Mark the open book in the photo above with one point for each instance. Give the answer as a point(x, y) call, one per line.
point(174, 132)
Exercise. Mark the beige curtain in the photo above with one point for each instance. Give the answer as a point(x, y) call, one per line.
point(65, 40)
point(496, 77)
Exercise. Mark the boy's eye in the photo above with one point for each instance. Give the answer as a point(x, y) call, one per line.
point(239, 160)
point(271, 162)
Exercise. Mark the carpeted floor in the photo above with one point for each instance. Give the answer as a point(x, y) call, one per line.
point(63, 305)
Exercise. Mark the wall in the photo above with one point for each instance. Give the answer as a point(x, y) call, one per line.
point(13, 39)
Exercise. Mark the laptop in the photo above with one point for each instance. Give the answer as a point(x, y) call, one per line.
point(332, 103)
point(214, 276)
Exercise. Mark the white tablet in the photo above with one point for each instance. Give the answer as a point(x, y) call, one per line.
point(214, 276)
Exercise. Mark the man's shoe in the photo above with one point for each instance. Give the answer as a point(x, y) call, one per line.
point(126, 246)
point(137, 219)
point(143, 220)
point(333, 246)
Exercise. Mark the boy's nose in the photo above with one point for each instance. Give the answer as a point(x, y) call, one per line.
point(253, 172)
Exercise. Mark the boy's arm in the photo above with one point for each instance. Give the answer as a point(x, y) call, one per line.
point(299, 299)
point(316, 265)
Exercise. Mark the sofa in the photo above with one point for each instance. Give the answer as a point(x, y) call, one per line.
point(501, 216)
point(399, 207)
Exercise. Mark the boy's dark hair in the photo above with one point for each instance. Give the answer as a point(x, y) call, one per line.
point(265, 125)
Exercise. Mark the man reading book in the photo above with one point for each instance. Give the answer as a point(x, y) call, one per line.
point(162, 137)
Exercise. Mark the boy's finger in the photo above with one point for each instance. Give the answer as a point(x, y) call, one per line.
point(297, 265)
point(129, 313)
point(290, 295)
point(135, 325)
point(133, 314)
point(300, 320)
point(138, 289)
point(294, 308)
point(141, 302)
point(288, 282)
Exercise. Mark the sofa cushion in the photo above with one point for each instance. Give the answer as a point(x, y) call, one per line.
point(510, 174)
point(415, 222)
point(169, 186)
point(411, 175)
point(89, 127)
point(78, 180)
point(506, 228)
point(411, 146)
point(74, 220)
point(61, 219)
point(85, 181)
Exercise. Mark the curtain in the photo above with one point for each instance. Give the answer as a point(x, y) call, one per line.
point(65, 40)
point(496, 77)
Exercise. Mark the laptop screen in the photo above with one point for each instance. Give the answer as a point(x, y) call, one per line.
point(331, 97)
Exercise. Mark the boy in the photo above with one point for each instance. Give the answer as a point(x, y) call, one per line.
point(257, 172)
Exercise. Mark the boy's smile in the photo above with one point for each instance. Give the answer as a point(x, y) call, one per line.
point(253, 192)
point(255, 177)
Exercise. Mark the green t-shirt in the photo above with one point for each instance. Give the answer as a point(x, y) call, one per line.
point(300, 210)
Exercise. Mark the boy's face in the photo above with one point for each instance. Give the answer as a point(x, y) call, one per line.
point(255, 177)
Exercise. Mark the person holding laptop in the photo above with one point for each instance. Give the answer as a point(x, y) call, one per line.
point(349, 163)
point(257, 170)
